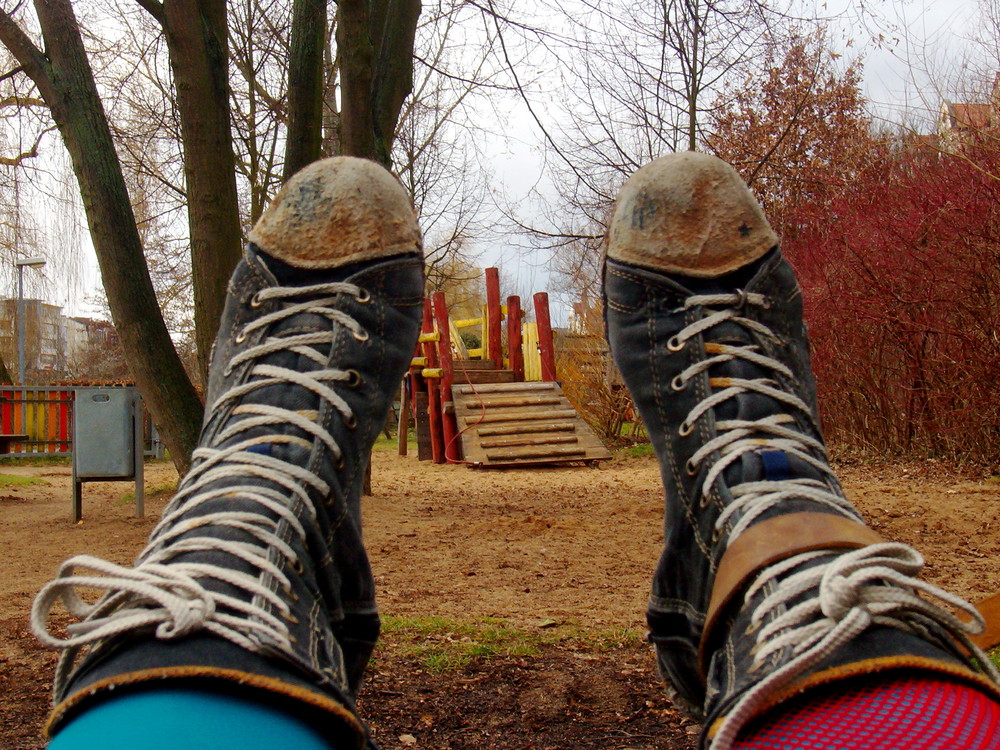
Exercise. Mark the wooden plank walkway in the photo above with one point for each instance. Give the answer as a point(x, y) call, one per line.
point(519, 424)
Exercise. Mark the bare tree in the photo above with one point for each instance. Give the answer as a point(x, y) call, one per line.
point(375, 52)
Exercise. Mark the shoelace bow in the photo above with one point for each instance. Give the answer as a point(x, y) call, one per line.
point(168, 596)
point(875, 585)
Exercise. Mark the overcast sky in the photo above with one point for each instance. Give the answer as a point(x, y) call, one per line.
point(930, 32)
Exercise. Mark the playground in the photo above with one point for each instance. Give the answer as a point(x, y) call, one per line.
point(513, 599)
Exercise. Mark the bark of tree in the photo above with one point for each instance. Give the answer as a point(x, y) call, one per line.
point(305, 92)
point(197, 40)
point(66, 83)
point(375, 45)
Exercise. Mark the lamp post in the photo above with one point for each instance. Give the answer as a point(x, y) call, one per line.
point(34, 262)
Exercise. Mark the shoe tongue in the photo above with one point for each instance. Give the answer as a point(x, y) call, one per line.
point(761, 464)
point(770, 465)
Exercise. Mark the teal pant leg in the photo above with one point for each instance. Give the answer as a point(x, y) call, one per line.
point(186, 719)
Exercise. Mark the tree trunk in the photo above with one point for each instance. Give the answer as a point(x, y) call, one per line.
point(66, 83)
point(375, 47)
point(305, 88)
point(197, 39)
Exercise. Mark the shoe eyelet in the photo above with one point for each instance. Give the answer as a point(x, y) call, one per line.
point(351, 422)
point(677, 384)
point(685, 429)
point(360, 335)
point(241, 337)
point(674, 344)
point(339, 466)
point(292, 619)
point(353, 379)
point(752, 628)
point(364, 298)
point(297, 566)
point(255, 301)
point(690, 468)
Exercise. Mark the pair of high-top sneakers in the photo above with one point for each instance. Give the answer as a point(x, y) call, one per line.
point(256, 580)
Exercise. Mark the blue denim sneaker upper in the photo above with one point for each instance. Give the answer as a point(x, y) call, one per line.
point(768, 576)
point(256, 578)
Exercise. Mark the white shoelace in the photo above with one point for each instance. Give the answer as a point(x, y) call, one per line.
point(875, 585)
point(169, 596)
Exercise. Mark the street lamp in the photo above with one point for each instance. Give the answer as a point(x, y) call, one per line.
point(35, 262)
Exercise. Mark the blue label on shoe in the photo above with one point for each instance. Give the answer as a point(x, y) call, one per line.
point(776, 466)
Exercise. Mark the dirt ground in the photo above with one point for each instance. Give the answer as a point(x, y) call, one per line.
point(514, 599)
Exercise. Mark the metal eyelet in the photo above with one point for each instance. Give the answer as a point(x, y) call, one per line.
point(339, 466)
point(353, 379)
point(690, 468)
point(351, 422)
point(685, 429)
point(674, 344)
point(255, 301)
point(752, 628)
point(241, 337)
point(297, 566)
point(364, 298)
point(677, 384)
point(290, 618)
point(361, 335)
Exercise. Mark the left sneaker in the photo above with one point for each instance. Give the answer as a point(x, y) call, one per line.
point(256, 581)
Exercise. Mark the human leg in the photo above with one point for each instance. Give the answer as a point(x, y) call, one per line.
point(256, 582)
point(770, 585)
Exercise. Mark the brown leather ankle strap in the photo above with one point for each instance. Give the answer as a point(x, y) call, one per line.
point(771, 541)
point(989, 608)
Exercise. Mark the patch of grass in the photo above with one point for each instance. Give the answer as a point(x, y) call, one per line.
point(638, 450)
point(11, 480)
point(383, 443)
point(157, 489)
point(444, 645)
point(42, 459)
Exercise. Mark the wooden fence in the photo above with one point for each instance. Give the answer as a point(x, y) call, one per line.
point(45, 415)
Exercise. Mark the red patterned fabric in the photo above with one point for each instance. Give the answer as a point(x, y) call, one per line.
point(915, 713)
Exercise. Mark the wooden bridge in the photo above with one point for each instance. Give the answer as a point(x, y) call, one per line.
point(489, 407)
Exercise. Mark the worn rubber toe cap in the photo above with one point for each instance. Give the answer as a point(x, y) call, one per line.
point(337, 211)
point(690, 214)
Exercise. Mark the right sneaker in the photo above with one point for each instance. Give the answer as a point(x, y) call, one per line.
point(769, 582)
point(256, 581)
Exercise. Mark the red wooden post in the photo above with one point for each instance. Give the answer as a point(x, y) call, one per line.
point(515, 350)
point(546, 347)
point(433, 393)
point(449, 426)
point(493, 314)
point(7, 412)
